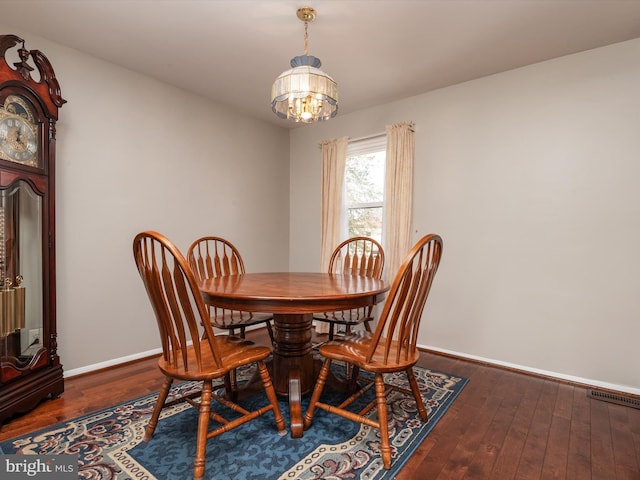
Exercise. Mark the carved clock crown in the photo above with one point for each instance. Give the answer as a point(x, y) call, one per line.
point(47, 87)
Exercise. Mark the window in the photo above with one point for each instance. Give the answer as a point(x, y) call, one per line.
point(364, 188)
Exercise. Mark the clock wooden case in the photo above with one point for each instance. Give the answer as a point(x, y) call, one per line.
point(30, 368)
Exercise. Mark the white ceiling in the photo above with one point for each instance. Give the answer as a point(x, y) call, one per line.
point(377, 51)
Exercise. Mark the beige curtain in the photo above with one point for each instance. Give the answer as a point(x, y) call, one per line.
point(334, 159)
point(399, 196)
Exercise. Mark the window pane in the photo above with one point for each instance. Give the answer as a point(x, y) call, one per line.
point(364, 178)
point(365, 222)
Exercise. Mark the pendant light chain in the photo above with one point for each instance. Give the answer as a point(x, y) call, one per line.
point(306, 38)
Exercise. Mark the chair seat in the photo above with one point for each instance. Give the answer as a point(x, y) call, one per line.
point(345, 317)
point(233, 351)
point(236, 319)
point(354, 347)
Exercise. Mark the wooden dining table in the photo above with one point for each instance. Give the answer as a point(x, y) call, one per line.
point(292, 298)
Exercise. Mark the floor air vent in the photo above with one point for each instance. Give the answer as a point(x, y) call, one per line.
point(614, 398)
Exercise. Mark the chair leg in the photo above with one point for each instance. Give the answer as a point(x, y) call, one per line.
point(331, 328)
point(271, 395)
point(352, 376)
point(162, 397)
point(416, 394)
point(367, 325)
point(381, 400)
point(231, 385)
point(270, 331)
point(203, 429)
point(317, 391)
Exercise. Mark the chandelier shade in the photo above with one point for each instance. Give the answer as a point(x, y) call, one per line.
point(305, 93)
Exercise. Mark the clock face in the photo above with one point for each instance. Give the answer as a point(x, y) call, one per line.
point(18, 140)
point(18, 133)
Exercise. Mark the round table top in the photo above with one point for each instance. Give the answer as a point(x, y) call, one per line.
point(292, 292)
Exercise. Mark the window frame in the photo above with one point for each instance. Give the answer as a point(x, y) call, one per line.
point(374, 144)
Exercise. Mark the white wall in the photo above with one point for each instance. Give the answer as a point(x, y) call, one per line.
point(136, 154)
point(531, 177)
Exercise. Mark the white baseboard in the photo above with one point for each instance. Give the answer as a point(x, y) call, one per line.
point(546, 373)
point(111, 363)
point(128, 358)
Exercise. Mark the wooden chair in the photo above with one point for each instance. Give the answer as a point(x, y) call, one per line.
point(179, 311)
point(356, 256)
point(391, 348)
point(212, 257)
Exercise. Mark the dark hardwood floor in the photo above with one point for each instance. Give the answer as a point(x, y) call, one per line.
point(504, 425)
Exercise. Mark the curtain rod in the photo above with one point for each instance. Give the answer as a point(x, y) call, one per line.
point(373, 135)
point(360, 139)
point(367, 137)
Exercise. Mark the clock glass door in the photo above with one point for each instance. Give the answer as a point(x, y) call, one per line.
point(21, 279)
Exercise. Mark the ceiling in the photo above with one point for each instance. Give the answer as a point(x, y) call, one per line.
point(378, 51)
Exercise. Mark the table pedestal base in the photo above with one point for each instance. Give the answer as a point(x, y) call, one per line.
point(293, 363)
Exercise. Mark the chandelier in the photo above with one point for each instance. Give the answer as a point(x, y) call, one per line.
point(305, 93)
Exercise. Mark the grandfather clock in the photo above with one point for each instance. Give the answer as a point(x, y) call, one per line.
point(30, 368)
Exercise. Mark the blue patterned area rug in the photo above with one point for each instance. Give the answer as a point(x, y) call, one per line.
point(109, 443)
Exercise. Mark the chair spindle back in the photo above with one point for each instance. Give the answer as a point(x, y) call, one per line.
point(361, 256)
point(400, 318)
point(212, 257)
point(173, 293)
